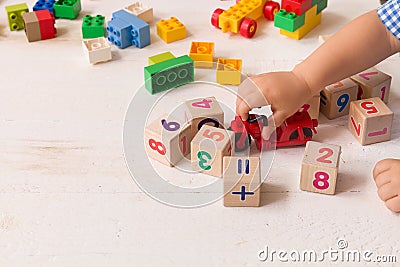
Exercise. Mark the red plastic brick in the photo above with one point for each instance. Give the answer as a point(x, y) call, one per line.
point(46, 22)
point(297, 6)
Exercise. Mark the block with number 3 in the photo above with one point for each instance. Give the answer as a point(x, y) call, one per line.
point(319, 168)
point(370, 121)
point(373, 83)
point(202, 111)
point(242, 181)
point(336, 98)
point(167, 140)
point(208, 148)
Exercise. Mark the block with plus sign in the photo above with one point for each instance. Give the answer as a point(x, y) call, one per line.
point(370, 121)
point(373, 83)
point(242, 181)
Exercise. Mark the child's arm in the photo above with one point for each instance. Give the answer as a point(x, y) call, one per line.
point(361, 44)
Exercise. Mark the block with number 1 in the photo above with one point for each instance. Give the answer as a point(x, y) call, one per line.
point(319, 168)
point(167, 140)
point(373, 83)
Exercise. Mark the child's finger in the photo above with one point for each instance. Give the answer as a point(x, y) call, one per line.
point(393, 204)
point(387, 191)
point(279, 117)
point(243, 110)
point(381, 179)
point(382, 166)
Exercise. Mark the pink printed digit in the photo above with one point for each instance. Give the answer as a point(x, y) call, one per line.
point(184, 142)
point(321, 177)
point(324, 158)
point(383, 91)
point(205, 103)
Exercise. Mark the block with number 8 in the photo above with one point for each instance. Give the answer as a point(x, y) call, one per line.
point(242, 181)
point(167, 140)
point(336, 98)
point(319, 168)
point(203, 111)
point(370, 121)
point(373, 83)
point(208, 148)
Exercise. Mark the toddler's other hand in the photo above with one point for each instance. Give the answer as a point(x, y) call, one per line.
point(387, 178)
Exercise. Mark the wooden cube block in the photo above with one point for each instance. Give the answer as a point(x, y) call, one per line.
point(208, 148)
point(336, 98)
point(203, 111)
point(370, 121)
point(312, 107)
point(373, 83)
point(319, 168)
point(242, 181)
point(167, 140)
point(229, 71)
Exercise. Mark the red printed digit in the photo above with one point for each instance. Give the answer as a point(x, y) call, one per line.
point(205, 103)
point(157, 146)
point(184, 141)
point(383, 91)
point(324, 158)
point(220, 136)
point(321, 180)
point(369, 107)
point(366, 75)
point(356, 127)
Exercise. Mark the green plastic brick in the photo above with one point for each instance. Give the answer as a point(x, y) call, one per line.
point(169, 74)
point(321, 5)
point(67, 9)
point(14, 14)
point(288, 21)
point(314, 2)
point(160, 58)
point(93, 27)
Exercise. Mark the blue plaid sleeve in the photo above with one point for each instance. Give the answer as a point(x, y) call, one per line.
point(389, 13)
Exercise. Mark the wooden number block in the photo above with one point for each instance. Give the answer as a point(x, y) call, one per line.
point(312, 106)
point(373, 83)
point(167, 140)
point(203, 111)
point(319, 168)
point(242, 182)
point(336, 98)
point(208, 148)
point(370, 121)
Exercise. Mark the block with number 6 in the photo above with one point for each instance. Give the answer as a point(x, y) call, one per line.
point(208, 148)
point(319, 168)
point(167, 140)
point(373, 83)
point(203, 111)
point(370, 121)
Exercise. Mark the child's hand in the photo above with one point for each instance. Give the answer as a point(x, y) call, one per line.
point(286, 92)
point(387, 178)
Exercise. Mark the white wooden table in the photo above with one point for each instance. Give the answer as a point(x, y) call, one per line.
point(67, 198)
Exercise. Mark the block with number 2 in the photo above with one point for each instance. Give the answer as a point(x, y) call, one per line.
point(167, 140)
point(319, 168)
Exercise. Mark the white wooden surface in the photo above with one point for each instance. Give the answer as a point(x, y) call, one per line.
point(66, 196)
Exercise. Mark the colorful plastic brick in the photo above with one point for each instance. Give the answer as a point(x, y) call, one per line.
point(93, 27)
point(160, 58)
point(44, 4)
point(67, 9)
point(169, 74)
point(203, 54)
point(97, 50)
point(14, 14)
point(229, 71)
point(312, 20)
point(171, 30)
point(39, 25)
point(297, 6)
point(141, 11)
point(321, 5)
point(126, 29)
point(288, 21)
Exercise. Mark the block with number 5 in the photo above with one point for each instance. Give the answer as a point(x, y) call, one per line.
point(167, 140)
point(370, 121)
point(319, 168)
point(208, 148)
point(204, 111)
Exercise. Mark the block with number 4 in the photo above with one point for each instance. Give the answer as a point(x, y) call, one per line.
point(319, 168)
point(373, 83)
point(370, 121)
point(336, 98)
point(167, 140)
point(242, 181)
point(208, 148)
point(203, 111)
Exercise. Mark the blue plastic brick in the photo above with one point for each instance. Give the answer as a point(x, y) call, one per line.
point(140, 30)
point(119, 33)
point(45, 4)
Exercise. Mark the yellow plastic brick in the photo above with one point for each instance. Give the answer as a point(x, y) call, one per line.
point(229, 71)
point(171, 30)
point(203, 54)
point(312, 20)
point(160, 58)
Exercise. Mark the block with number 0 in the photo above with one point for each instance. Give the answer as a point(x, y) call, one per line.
point(208, 148)
point(336, 98)
point(319, 168)
point(373, 83)
point(370, 121)
point(242, 181)
point(202, 111)
point(167, 140)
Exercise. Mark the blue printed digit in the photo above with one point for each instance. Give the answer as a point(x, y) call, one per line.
point(342, 101)
point(247, 166)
